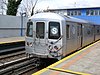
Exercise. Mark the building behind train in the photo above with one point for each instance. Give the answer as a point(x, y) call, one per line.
point(89, 13)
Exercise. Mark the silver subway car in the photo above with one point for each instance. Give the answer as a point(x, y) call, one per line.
point(50, 35)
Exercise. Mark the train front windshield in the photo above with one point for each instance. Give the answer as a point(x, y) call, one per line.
point(29, 32)
point(54, 30)
point(40, 30)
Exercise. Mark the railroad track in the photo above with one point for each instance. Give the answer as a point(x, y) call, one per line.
point(19, 66)
point(12, 56)
point(17, 63)
point(14, 61)
point(11, 51)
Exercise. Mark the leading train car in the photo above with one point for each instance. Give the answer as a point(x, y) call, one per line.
point(50, 35)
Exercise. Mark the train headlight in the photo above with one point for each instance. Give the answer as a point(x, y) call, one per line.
point(55, 47)
point(27, 44)
point(31, 44)
point(54, 30)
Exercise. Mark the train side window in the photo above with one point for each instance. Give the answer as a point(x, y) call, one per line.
point(88, 31)
point(97, 30)
point(68, 31)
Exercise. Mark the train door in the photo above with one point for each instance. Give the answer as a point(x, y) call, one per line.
point(39, 31)
point(94, 32)
point(79, 35)
point(71, 36)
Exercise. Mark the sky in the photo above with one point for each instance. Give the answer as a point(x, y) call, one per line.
point(2, 7)
point(57, 4)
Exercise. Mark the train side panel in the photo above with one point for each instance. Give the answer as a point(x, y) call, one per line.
point(78, 35)
point(97, 32)
point(71, 37)
point(88, 36)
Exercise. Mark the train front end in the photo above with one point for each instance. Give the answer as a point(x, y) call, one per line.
point(44, 37)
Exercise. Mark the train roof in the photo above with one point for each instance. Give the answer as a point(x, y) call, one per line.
point(49, 15)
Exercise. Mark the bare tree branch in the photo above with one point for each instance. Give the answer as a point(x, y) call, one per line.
point(33, 8)
point(4, 2)
point(28, 6)
point(3, 6)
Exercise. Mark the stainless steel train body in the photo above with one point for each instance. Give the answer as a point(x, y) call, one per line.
point(50, 35)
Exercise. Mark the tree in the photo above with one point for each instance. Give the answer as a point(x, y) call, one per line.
point(27, 6)
point(3, 6)
point(12, 7)
point(32, 13)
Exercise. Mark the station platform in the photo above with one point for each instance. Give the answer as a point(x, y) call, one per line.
point(11, 40)
point(83, 62)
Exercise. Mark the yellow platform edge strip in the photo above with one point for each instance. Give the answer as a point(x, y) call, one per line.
point(72, 55)
point(69, 71)
point(62, 60)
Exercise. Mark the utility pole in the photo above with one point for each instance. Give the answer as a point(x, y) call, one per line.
point(22, 22)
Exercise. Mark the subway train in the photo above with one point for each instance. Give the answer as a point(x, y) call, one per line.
point(51, 35)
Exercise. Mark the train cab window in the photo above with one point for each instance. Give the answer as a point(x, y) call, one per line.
point(40, 30)
point(68, 31)
point(88, 31)
point(54, 30)
point(29, 31)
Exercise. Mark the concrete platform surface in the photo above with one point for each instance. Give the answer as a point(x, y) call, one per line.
point(83, 62)
point(11, 39)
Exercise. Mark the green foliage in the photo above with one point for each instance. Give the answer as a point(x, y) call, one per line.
point(12, 7)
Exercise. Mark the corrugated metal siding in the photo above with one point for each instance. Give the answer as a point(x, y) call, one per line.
point(10, 26)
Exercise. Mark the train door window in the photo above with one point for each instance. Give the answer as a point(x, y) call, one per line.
point(92, 30)
point(73, 29)
point(54, 30)
point(29, 30)
point(97, 31)
point(88, 31)
point(68, 31)
point(40, 30)
point(78, 30)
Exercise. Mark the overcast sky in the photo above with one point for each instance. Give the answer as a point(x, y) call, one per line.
point(56, 4)
point(59, 4)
